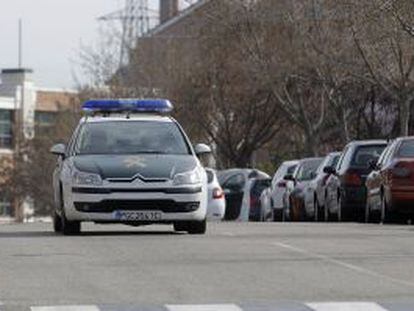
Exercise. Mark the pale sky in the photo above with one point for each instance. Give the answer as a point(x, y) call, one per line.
point(52, 34)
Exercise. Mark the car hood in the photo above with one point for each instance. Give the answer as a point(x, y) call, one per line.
point(145, 166)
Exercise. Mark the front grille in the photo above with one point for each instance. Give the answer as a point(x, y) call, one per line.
point(165, 206)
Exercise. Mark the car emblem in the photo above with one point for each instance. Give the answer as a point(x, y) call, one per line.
point(135, 162)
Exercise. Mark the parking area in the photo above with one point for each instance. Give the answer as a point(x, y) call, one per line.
point(236, 263)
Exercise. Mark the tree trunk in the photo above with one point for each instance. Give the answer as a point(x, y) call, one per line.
point(405, 109)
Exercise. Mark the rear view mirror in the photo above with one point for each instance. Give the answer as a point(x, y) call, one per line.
point(329, 170)
point(58, 149)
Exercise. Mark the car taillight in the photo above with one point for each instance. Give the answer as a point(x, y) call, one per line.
point(352, 179)
point(400, 170)
point(281, 184)
point(218, 193)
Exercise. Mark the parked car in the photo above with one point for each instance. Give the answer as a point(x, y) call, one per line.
point(272, 197)
point(259, 212)
point(316, 194)
point(297, 185)
point(346, 191)
point(238, 186)
point(390, 186)
point(216, 207)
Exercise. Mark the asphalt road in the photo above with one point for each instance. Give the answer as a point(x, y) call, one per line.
point(250, 265)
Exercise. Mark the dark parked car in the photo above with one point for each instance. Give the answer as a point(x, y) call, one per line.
point(238, 185)
point(257, 211)
point(390, 186)
point(346, 191)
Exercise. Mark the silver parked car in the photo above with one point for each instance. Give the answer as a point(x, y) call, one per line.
point(316, 193)
point(272, 197)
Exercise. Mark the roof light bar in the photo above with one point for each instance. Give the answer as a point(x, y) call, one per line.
point(128, 105)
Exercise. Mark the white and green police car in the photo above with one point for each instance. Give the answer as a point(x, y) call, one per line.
point(129, 162)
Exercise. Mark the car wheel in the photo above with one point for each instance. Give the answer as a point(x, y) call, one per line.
point(57, 223)
point(367, 212)
point(316, 208)
point(70, 227)
point(384, 213)
point(326, 209)
point(197, 227)
point(339, 212)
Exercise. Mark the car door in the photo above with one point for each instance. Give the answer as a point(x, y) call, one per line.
point(233, 189)
point(374, 181)
point(333, 182)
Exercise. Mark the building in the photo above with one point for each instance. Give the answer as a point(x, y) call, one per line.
point(24, 107)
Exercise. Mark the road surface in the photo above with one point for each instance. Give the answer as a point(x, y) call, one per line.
point(236, 266)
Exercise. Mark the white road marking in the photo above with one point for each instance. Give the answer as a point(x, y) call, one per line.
point(226, 307)
point(345, 306)
point(66, 308)
point(344, 264)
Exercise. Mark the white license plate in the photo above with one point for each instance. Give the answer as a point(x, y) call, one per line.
point(137, 215)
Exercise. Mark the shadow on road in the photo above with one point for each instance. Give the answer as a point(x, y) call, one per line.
point(45, 234)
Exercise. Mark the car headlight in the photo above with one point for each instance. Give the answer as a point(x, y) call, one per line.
point(86, 179)
point(188, 178)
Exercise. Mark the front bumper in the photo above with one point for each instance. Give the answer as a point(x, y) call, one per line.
point(101, 204)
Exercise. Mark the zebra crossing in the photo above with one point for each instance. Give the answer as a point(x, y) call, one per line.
point(278, 306)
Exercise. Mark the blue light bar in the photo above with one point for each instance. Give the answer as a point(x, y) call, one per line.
point(128, 105)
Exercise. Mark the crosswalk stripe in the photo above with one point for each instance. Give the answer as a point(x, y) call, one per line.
point(222, 307)
point(66, 308)
point(345, 306)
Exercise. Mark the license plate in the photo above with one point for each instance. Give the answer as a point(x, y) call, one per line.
point(138, 215)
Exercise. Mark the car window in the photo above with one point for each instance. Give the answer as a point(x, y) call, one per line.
point(131, 137)
point(341, 158)
point(364, 154)
point(235, 182)
point(307, 169)
point(406, 149)
point(210, 176)
point(334, 160)
point(384, 154)
point(259, 185)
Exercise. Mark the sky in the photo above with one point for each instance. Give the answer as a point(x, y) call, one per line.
point(53, 32)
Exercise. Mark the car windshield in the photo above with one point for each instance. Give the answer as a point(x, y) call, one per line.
point(131, 137)
point(307, 169)
point(364, 154)
point(406, 149)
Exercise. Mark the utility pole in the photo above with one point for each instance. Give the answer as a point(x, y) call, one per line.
point(135, 18)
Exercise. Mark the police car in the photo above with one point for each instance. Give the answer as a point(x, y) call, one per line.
point(129, 162)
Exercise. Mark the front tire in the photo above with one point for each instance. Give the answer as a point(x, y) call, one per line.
point(192, 227)
point(70, 227)
point(57, 223)
point(197, 227)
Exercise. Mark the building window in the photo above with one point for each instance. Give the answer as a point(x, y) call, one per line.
point(5, 128)
point(44, 118)
point(5, 206)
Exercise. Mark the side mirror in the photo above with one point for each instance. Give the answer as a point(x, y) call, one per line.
point(289, 177)
point(329, 170)
point(58, 149)
point(202, 149)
